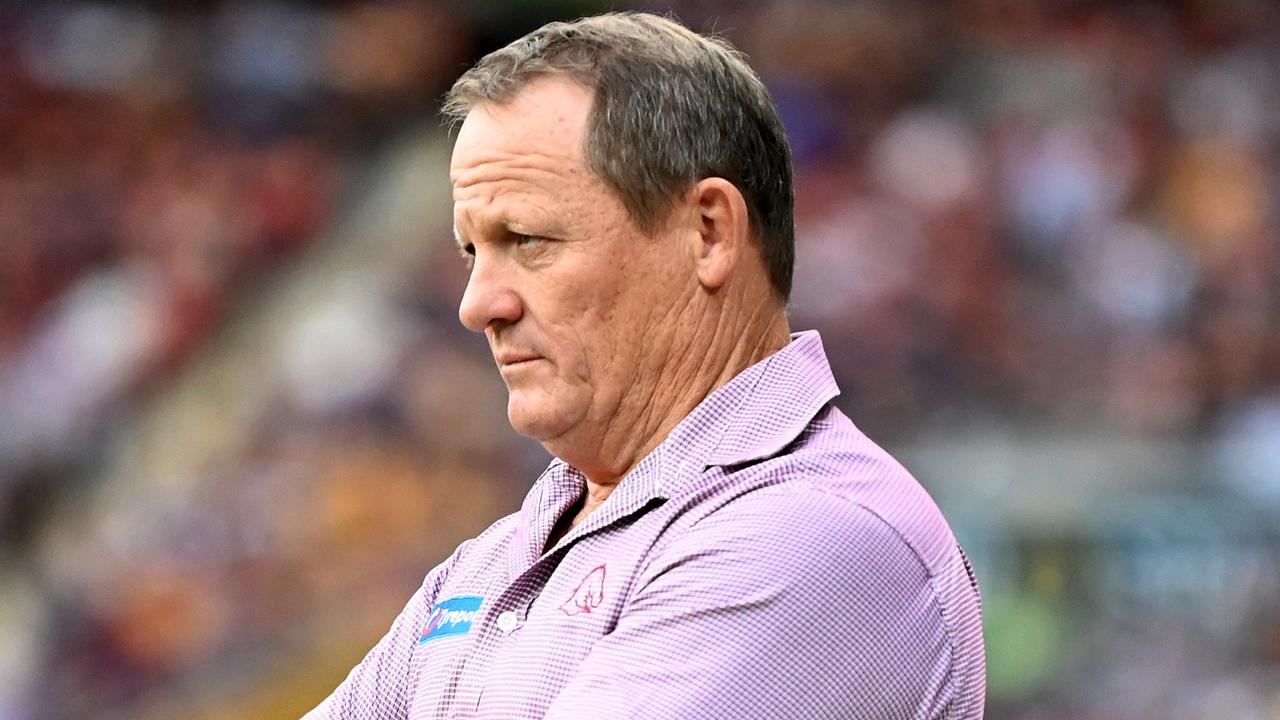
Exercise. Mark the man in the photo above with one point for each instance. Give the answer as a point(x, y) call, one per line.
point(713, 539)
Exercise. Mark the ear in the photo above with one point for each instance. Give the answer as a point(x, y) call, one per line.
point(722, 230)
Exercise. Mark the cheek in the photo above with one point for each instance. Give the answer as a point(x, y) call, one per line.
point(568, 323)
point(588, 332)
point(625, 327)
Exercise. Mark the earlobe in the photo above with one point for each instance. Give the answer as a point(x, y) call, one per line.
point(722, 230)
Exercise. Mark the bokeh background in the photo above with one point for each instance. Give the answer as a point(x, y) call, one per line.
point(239, 420)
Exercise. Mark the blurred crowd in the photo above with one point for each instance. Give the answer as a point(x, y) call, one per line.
point(1058, 217)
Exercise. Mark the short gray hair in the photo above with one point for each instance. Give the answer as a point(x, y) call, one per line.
point(671, 107)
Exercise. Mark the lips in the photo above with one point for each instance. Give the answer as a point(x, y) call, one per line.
point(507, 359)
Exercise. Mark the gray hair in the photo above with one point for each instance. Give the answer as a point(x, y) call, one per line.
point(671, 107)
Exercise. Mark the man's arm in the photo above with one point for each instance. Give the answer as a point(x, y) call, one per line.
point(377, 688)
point(784, 603)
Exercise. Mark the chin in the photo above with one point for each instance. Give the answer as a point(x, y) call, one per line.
point(535, 420)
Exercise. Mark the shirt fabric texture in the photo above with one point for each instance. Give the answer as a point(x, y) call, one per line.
point(766, 560)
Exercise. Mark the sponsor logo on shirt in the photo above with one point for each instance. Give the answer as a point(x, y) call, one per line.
point(451, 617)
point(588, 595)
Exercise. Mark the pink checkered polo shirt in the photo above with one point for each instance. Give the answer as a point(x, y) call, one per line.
point(767, 560)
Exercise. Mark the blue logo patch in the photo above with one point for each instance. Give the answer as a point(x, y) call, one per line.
point(451, 617)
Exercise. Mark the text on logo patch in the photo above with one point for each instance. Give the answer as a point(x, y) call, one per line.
point(451, 617)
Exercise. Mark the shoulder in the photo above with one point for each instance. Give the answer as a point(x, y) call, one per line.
point(825, 571)
point(790, 540)
point(500, 530)
point(483, 549)
point(834, 481)
point(802, 530)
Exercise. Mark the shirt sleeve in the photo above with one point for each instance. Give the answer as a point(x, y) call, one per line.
point(378, 688)
point(785, 603)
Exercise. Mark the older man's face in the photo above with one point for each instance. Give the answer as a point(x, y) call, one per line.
point(576, 301)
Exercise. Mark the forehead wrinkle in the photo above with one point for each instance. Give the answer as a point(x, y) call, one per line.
point(527, 166)
point(514, 189)
point(533, 213)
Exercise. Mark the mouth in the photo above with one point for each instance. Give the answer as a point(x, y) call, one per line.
point(510, 360)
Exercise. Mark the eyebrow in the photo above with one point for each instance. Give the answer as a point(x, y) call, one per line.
point(457, 238)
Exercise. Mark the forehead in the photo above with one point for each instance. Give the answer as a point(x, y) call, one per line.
point(543, 124)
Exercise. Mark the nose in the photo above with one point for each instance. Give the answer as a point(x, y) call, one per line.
point(489, 298)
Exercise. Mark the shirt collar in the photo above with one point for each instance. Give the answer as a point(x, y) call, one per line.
point(763, 409)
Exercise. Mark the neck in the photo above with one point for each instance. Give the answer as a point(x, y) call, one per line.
point(710, 353)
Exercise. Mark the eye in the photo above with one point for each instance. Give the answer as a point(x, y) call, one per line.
point(526, 240)
point(468, 253)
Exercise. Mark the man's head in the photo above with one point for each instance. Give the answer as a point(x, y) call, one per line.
point(671, 107)
point(623, 189)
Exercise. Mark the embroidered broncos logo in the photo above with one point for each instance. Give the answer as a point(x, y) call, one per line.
point(588, 595)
